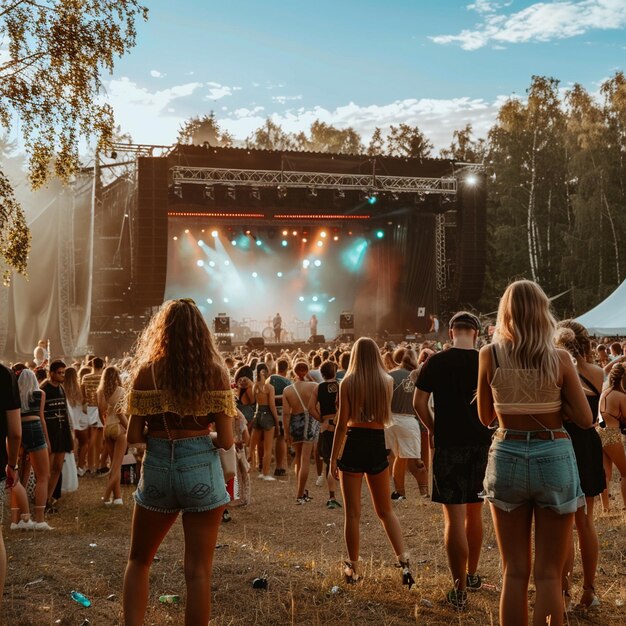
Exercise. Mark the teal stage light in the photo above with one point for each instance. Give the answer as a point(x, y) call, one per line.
point(380, 234)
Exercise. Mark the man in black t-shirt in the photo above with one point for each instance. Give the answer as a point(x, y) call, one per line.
point(10, 439)
point(461, 445)
point(280, 382)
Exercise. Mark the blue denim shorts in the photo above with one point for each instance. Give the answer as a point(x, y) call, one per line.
point(181, 475)
point(535, 471)
point(33, 438)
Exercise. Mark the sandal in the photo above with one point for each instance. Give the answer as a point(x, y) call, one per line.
point(407, 577)
point(595, 601)
point(350, 573)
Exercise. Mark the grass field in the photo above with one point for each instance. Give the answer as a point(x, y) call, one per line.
point(298, 547)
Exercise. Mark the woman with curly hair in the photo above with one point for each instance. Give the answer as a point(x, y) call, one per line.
point(110, 393)
point(179, 390)
point(573, 337)
point(613, 411)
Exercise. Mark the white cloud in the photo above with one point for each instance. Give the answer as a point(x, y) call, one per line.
point(539, 22)
point(218, 91)
point(284, 99)
point(157, 74)
point(487, 6)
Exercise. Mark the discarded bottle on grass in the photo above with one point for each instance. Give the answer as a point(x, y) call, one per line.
point(80, 598)
point(259, 583)
point(169, 599)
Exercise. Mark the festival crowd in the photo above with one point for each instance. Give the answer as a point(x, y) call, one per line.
point(529, 420)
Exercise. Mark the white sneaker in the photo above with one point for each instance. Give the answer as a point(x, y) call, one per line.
point(268, 478)
point(43, 526)
point(26, 525)
point(81, 471)
point(16, 525)
point(118, 502)
point(320, 481)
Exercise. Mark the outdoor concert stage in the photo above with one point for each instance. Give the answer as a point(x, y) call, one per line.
point(249, 233)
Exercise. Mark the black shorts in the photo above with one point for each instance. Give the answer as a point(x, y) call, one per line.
point(325, 445)
point(60, 434)
point(588, 451)
point(458, 474)
point(364, 451)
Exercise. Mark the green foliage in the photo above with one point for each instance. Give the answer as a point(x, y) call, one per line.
point(204, 129)
point(52, 82)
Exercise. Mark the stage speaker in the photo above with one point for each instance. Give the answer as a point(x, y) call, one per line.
point(317, 339)
point(255, 342)
point(222, 324)
point(346, 320)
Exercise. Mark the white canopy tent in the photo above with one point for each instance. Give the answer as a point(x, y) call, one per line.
point(608, 317)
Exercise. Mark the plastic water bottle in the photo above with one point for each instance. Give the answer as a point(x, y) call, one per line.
point(80, 598)
point(169, 599)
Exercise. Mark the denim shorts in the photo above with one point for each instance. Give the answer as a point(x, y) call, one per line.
point(181, 475)
point(33, 438)
point(533, 471)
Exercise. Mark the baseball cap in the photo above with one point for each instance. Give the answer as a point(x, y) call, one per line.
point(465, 318)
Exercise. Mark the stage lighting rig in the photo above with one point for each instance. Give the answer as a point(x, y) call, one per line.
point(208, 193)
point(231, 193)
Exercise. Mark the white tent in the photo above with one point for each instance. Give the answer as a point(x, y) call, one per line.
point(609, 317)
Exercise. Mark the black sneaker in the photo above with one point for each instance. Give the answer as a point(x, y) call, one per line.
point(333, 504)
point(280, 472)
point(226, 517)
point(474, 583)
point(397, 496)
point(457, 599)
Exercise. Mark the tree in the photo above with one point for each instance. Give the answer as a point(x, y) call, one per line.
point(204, 129)
point(465, 148)
point(51, 81)
point(271, 136)
point(376, 145)
point(408, 141)
point(328, 138)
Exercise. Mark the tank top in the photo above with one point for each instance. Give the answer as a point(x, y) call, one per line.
point(112, 406)
point(520, 391)
point(34, 404)
point(327, 397)
point(594, 401)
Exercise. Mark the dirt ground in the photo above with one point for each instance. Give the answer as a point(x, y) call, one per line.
point(299, 548)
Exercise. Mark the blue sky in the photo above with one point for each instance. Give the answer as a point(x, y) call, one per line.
point(435, 63)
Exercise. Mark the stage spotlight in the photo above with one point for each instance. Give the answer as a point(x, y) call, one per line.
point(314, 298)
point(471, 179)
point(226, 263)
point(285, 233)
point(332, 299)
point(317, 263)
point(301, 298)
point(186, 231)
point(200, 263)
point(279, 274)
point(312, 192)
point(304, 239)
point(284, 243)
point(209, 301)
point(225, 300)
point(254, 275)
point(178, 190)
point(214, 233)
point(323, 234)
point(175, 238)
point(255, 194)
point(259, 242)
point(212, 263)
point(231, 193)
point(372, 199)
point(335, 238)
point(247, 232)
point(339, 194)
point(208, 193)
point(380, 234)
point(294, 233)
point(234, 242)
point(200, 242)
point(282, 192)
point(320, 244)
point(306, 263)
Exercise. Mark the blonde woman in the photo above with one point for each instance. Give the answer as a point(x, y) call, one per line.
point(77, 410)
point(110, 394)
point(359, 448)
point(265, 422)
point(613, 411)
point(529, 386)
point(179, 387)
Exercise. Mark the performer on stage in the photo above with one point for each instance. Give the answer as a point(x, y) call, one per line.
point(277, 323)
point(313, 325)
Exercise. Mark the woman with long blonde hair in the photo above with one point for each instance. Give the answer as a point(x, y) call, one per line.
point(110, 394)
point(529, 386)
point(359, 448)
point(178, 389)
point(77, 409)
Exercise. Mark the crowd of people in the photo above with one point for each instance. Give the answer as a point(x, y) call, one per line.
point(529, 420)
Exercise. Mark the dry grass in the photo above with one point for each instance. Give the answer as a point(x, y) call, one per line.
point(300, 548)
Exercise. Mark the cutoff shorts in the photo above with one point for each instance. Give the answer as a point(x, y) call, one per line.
point(325, 445)
point(181, 475)
point(364, 451)
point(303, 427)
point(402, 436)
point(93, 417)
point(458, 473)
point(263, 418)
point(533, 471)
point(33, 438)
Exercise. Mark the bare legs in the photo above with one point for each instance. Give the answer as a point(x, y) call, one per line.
point(463, 537)
point(117, 449)
point(148, 531)
point(378, 485)
point(302, 461)
point(56, 465)
point(41, 466)
point(513, 531)
point(416, 468)
point(614, 454)
point(82, 439)
point(268, 440)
